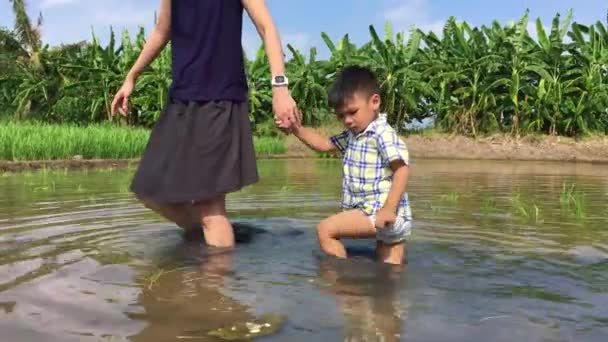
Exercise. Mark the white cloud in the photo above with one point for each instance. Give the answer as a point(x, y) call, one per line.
point(405, 14)
point(406, 11)
point(55, 3)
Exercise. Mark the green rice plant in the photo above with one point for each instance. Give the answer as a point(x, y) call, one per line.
point(451, 197)
point(269, 146)
point(572, 201)
point(523, 209)
point(488, 205)
point(40, 141)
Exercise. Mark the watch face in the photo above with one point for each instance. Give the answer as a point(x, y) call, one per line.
point(279, 79)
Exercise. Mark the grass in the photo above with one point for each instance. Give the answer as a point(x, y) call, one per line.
point(423, 132)
point(572, 204)
point(36, 141)
point(488, 204)
point(269, 145)
point(572, 201)
point(451, 197)
point(524, 209)
point(27, 141)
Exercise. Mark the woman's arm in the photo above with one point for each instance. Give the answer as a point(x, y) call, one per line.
point(284, 106)
point(154, 45)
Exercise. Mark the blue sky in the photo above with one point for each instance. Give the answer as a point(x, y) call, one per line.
point(301, 22)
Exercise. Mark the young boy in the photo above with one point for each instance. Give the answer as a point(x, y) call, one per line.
point(375, 170)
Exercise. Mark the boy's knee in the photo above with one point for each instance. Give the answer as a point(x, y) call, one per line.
point(325, 231)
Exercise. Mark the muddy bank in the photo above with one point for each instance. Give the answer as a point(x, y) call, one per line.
point(499, 147)
point(435, 146)
point(10, 166)
point(543, 148)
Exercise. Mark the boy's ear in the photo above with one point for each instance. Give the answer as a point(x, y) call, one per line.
point(376, 102)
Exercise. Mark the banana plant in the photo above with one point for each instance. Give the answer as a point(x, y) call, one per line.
point(309, 86)
point(153, 84)
point(260, 93)
point(470, 80)
point(343, 53)
point(392, 60)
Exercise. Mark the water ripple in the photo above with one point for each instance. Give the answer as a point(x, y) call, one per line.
point(494, 250)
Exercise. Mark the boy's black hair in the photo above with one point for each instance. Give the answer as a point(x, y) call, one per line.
point(352, 79)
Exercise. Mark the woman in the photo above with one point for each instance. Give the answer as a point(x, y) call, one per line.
point(201, 148)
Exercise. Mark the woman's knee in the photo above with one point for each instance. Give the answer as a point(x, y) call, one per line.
point(148, 203)
point(212, 207)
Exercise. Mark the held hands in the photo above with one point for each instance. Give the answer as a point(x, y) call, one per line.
point(385, 218)
point(285, 109)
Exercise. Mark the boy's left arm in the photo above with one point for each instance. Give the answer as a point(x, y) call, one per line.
point(394, 152)
point(388, 213)
point(399, 185)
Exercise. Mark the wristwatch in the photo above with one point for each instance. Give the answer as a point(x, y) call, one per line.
point(279, 81)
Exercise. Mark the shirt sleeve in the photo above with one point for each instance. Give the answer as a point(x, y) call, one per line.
point(392, 147)
point(340, 141)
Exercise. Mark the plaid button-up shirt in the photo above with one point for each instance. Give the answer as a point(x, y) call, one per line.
point(367, 176)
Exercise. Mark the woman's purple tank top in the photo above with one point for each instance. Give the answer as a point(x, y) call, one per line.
point(207, 55)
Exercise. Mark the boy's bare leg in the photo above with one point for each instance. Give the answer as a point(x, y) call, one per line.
point(218, 229)
point(391, 253)
point(352, 224)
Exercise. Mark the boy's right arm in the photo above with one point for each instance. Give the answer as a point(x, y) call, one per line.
point(154, 45)
point(312, 139)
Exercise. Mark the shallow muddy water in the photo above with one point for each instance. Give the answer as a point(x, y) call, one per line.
point(501, 251)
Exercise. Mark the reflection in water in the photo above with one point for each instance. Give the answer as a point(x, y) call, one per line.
point(186, 302)
point(367, 295)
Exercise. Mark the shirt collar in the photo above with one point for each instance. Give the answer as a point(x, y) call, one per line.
point(373, 126)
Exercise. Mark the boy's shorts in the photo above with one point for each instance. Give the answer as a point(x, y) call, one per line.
point(398, 232)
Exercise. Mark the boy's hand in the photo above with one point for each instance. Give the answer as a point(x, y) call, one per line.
point(284, 107)
point(283, 127)
point(291, 129)
point(385, 217)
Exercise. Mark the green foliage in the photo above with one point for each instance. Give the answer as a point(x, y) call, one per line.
point(467, 80)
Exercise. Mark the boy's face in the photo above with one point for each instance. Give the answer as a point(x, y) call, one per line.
point(359, 111)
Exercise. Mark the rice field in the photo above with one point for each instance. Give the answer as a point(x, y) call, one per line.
point(38, 141)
